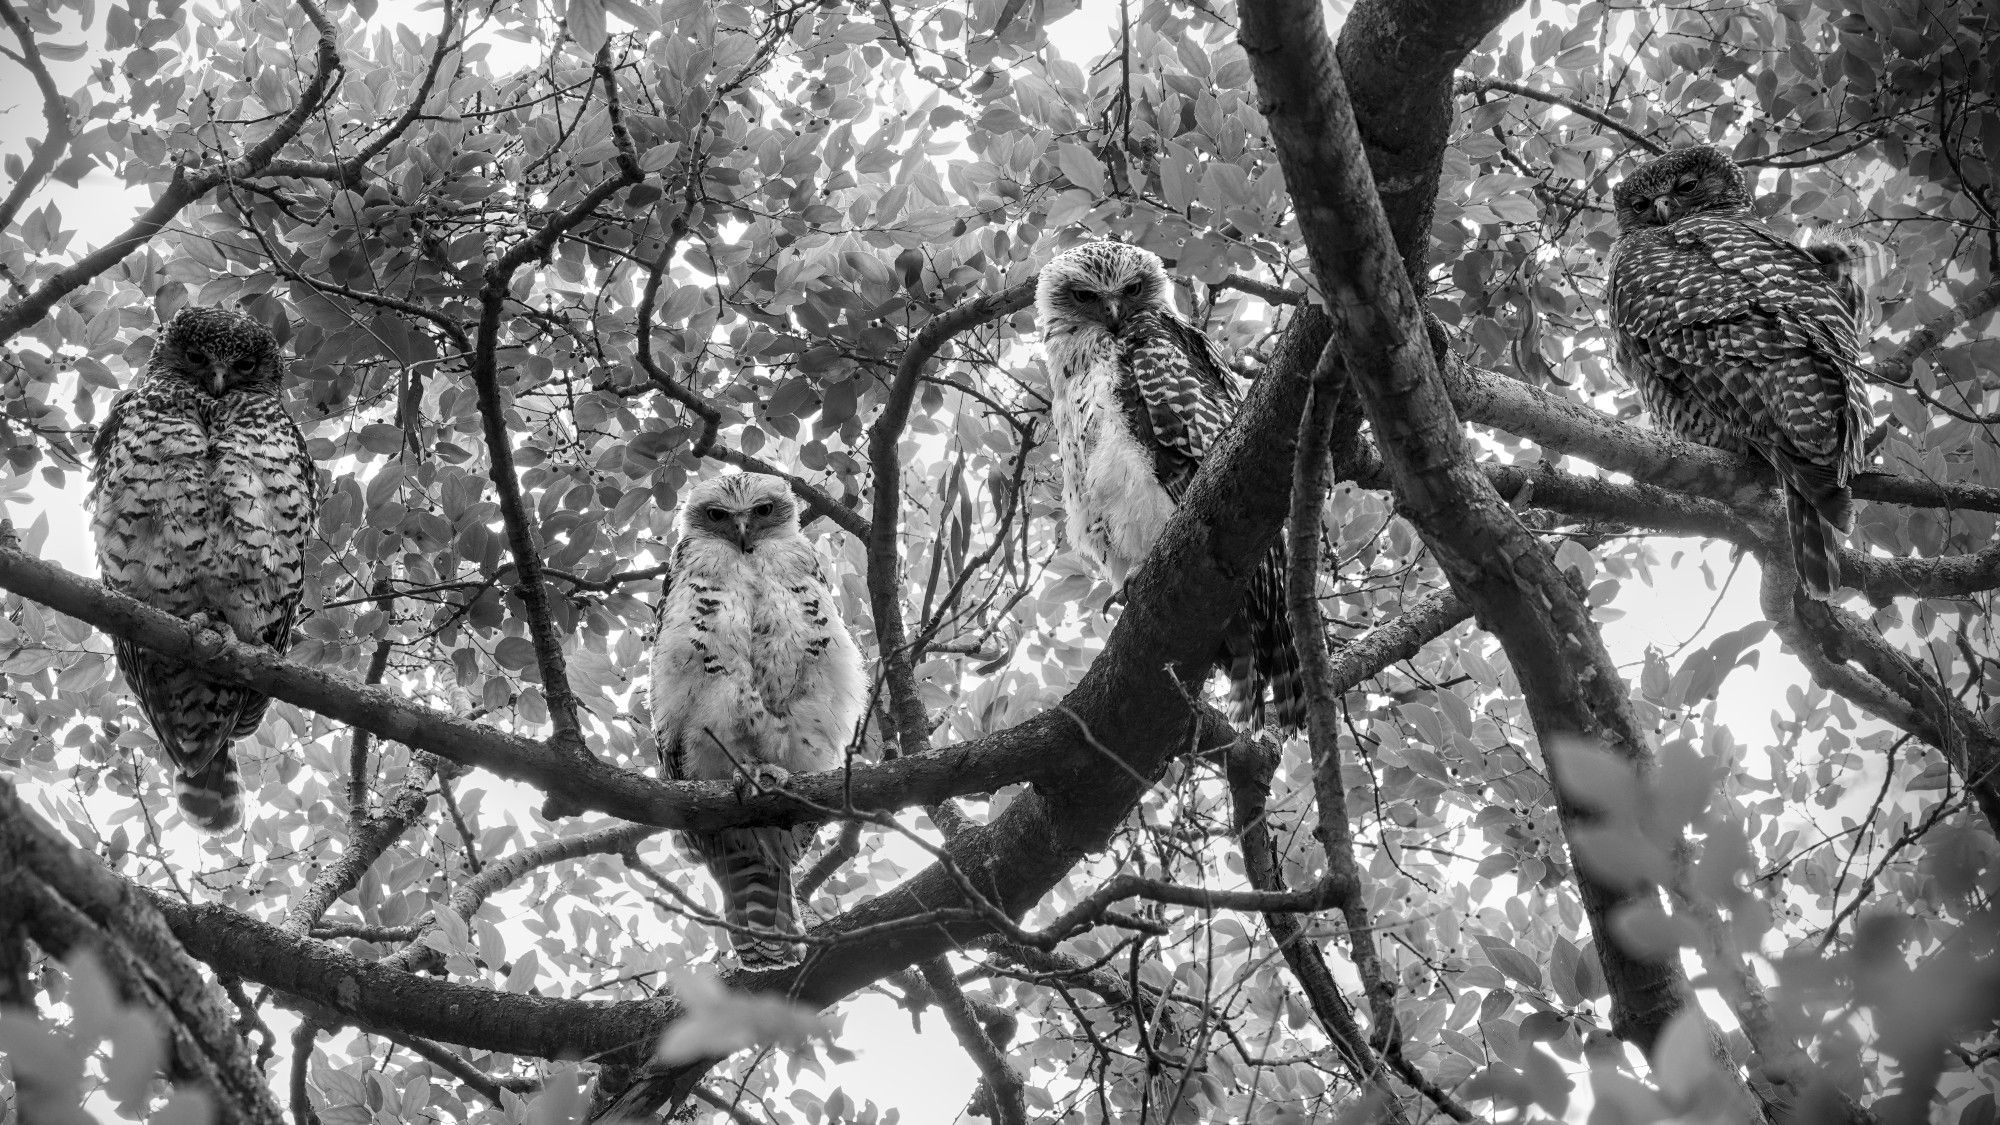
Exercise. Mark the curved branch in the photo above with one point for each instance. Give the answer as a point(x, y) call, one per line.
point(1573, 688)
point(1471, 85)
point(184, 188)
point(55, 114)
point(1895, 368)
point(885, 520)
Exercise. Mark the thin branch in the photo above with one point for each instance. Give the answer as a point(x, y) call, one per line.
point(369, 839)
point(1895, 368)
point(1471, 85)
point(885, 521)
point(1004, 1102)
point(55, 114)
point(184, 188)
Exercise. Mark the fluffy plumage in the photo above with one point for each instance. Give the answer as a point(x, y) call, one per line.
point(754, 678)
point(203, 499)
point(1737, 337)
point(1140, 398)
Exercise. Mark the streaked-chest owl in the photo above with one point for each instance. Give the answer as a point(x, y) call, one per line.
point(202, 502)
point(1140, 398)
point(1737, 337)
point(754, 678)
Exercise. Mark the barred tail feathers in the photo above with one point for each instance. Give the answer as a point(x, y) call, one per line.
point(1258, 651)
point(1815, 545)
point(753, 866)
point(211, 798)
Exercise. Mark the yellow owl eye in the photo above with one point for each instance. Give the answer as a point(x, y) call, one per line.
point(1087, 296)
point(763, 509)
point(196, 355)
point(1132, 290)
point(1686, 184)
point(718, 514)
point(245, 367)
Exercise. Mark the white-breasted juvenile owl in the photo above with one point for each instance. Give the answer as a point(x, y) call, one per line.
point(202, 501)
point(1737, 337)
point(1140, 398)
point(754, 678)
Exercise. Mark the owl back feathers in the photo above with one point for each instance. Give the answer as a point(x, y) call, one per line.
point(1738, 338)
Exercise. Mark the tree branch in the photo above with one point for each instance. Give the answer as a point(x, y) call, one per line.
point(71, 903)
point(885, 569)
point(1470, 85)
point(1000, 1082)
point(55, 114)
point(1572, 687)
point(1895, 368)
point(184, 188)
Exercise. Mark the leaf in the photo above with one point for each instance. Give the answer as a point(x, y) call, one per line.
point(718, 1022)
point(586, 25)
point(1081, 166)
point(1516, 965)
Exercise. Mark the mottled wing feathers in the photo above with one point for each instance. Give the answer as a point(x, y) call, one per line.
point(202, 506)
point(1186, 398)
point(1740, 339)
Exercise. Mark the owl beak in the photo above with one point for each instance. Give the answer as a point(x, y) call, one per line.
point(743, 532)
point(1664, 208)
point(218, 378)
point(1114, 312)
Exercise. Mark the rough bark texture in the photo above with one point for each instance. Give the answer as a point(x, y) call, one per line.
point(1572, 688)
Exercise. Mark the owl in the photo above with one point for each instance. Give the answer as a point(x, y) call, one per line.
point(754, 678)
point(203, 495)
point(1140, 398)
point(1737, 337)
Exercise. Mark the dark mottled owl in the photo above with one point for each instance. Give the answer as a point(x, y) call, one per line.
point(203, 499)
point(1737, 337)
point(754, 678)
point(1140, 399)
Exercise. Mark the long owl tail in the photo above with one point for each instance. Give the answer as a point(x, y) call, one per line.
point(1257, 650)
point(1815, 516)
point(212, 797)
point(753, 866)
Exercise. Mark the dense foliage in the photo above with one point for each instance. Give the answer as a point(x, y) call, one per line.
point(638, 243)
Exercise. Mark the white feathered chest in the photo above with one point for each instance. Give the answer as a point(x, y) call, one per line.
point(752, 663)
point(1114, 504)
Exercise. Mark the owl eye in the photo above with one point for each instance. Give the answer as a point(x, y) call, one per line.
point(1087, 296)
point(1686, 184)
point(718, 514)
point(197, 356)
point(245, 366)
point(1132, 290)
point(763, 509)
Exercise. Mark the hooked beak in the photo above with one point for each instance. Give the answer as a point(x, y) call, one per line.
point(1664, 208)
point(218, 378)
point(743, 533)
point(1114, 312)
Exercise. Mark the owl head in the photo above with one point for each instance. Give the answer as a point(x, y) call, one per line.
point(1686, 181)
point(1099, 284)
point(219, 351)
point(743, 509)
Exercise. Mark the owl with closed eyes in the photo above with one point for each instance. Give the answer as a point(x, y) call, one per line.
point(1141, 397)
point(202, 501)
point(1739, 337)
point(754, 678)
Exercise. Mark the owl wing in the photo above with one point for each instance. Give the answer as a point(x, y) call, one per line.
point(1753, 329)
point(1177, 399)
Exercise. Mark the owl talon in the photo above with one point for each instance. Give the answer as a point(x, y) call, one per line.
point(761, 778)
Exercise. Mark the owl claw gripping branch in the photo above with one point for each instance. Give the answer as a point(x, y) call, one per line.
point(203, 497)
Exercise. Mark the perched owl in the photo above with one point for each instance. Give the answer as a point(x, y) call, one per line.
point(203, 496)
point(755, 678)
point(1140, 398)
point(1739, 338)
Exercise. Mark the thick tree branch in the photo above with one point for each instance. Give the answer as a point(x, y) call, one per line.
point(184, 188)
point(1572, 687)
point(72, 903)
